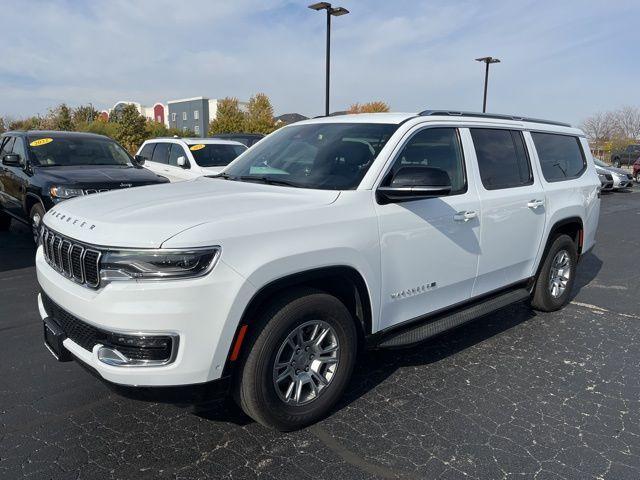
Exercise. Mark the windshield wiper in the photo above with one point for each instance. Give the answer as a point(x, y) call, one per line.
point(269, 181)
point(226, 176)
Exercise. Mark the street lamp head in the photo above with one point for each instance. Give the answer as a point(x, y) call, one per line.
point(339, 11)
point(336, 12)
point(320, 6)
point(488, 60)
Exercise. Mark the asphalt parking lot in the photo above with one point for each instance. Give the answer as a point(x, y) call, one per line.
point(516, 395)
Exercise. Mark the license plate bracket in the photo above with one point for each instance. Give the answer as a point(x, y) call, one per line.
point(53, 338)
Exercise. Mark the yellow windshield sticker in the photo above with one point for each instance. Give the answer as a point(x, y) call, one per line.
point(41, 141)
point(199, 146)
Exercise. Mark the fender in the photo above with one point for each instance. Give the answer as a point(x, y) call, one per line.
point(570, 225)
point(335, 279)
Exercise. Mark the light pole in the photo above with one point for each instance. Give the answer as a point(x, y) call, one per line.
point(487, 61)
point(336, 12)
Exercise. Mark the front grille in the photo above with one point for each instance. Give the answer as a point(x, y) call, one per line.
point(71, 259)
point(155, 348)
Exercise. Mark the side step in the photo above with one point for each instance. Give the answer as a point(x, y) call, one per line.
point(434, 327)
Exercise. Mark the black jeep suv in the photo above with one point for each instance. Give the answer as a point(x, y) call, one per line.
point(38, 169)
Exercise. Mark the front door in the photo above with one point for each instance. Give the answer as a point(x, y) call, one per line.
point(513, 209)
point(15, 179)
point(429, 247)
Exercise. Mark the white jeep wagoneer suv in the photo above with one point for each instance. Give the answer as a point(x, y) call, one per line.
point(330, 235)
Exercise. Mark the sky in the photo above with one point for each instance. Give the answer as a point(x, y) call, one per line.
point(561, 59)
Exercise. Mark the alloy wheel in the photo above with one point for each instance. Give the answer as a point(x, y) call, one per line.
point(306, 363)
point(35, 226)
point(560, 273)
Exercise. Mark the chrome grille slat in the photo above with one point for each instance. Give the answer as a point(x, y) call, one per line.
point(73, 260)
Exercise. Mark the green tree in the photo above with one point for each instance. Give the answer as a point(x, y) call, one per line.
point(131, 128)
point(260, 115)
point(84, 113)
point(2, 125)
point(99, 127)
point(156, 129)
point(60, 118)
point(29, 123)
point(229, 118)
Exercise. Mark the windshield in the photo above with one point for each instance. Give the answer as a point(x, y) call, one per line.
point(215, 155)
point(61, 151)
point(328, 156)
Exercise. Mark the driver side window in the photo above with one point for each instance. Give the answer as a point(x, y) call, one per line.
point(438, 148)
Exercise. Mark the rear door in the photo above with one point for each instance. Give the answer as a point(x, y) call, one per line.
point(513, 208)
point(160, 160)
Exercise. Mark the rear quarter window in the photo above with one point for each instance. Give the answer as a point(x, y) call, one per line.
point(561, 156)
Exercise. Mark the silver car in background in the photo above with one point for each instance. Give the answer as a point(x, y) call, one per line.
point(621, 178)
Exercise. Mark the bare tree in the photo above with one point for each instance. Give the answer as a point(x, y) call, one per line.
point(598, 127)
point(626, 122)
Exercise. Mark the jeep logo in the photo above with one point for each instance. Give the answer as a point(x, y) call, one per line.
point(125, 185)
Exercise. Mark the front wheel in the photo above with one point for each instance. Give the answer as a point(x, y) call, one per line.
point(35, 219)
point(638, 177)
point(616, 162)
point(300, 361)
point(553, 286)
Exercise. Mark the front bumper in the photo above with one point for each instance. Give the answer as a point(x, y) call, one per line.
point(201, 312)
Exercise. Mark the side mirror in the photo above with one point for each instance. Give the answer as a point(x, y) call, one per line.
point(183, 162)
point(11, 160)
point(412, 183)
point(139, 159)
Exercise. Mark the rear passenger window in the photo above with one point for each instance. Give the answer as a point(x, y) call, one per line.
point(561, 156)
point(161, 153)
point(147, 151)
point(438, 148)
point(502, 158)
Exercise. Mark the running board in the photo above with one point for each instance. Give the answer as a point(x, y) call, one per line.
point(432, 327)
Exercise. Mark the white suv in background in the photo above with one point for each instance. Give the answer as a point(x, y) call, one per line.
point(187, 158)
point(329, 235)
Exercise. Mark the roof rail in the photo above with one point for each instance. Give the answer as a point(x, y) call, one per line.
point(451, 113)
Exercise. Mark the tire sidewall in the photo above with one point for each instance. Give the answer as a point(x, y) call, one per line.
point(563, 242)
point(260, 360)
point(36, 209)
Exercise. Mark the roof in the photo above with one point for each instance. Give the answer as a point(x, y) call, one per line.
point(448, 116)
point(195, 141)
point(291, 117)
point(56, 133)
point(181, 100)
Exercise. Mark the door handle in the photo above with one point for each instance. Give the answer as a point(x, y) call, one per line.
point(535, 204)
point(465, 216)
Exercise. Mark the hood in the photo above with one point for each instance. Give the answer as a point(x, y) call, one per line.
point(601, 171)
point(146, 217)
point(617, 170)
point(98, 175)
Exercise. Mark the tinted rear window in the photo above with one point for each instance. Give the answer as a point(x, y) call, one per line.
point(161, 153)
point(502, 158)
point(213, 155)
point(561, 156)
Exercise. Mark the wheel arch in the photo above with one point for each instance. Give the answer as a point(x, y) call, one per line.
point(31, 199)
point(344, 282)
point(572, 226)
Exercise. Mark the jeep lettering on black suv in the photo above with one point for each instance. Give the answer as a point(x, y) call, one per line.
point(38, 169)
point(332, 234)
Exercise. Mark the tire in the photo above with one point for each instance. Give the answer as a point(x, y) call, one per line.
point(545, 297)
point(5, 221)
point(638, 177)
point(256, 391)
point(35, 218)
point(616, 162)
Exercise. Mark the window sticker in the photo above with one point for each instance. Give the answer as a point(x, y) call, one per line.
point(41, 141)
point(194, 148)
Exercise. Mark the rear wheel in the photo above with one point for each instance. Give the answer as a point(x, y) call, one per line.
point(616, 162)
point(553, 286)
point(5, 221)
point(300, 361)
point(35, 219)
point(638, 176)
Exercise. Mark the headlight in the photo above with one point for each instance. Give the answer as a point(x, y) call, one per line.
point(65, 192)
point(157, 264)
